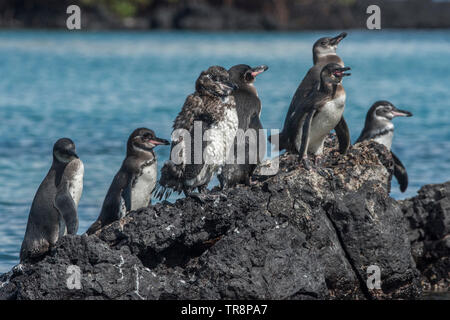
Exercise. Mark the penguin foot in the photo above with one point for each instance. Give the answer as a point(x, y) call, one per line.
point(306, 163)
point(318, 161)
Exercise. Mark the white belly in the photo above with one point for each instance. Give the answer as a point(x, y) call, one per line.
point(324, 121)
point(221, 136)
point(385, 139)
point(141, 192)
point(76, 180)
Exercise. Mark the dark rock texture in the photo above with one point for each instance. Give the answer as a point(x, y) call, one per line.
point(295, 235)
point(428, 215)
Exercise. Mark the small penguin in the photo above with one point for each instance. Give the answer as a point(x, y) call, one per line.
point(324, 52)
point(53, 212)
point(318, 113)
point(248, 108)
point(379, 127)
point(203, 134)
point(133, 185)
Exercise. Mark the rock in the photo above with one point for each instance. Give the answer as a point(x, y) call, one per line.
point(296, 235)
point(428, 215)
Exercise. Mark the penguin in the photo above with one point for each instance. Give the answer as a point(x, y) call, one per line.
point(132, 186)
point(53, 211)
point(318, 114)
point(248, 106)
point(203, 133)
point(324, 52)
point(379, 127)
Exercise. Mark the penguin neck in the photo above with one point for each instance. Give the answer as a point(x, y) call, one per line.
point(380, 130)
point(138, 153)
point(326, 58)
point(379, 126)
point(248, 87)
point(204, 92)
point(58, 168)
point(328, 88)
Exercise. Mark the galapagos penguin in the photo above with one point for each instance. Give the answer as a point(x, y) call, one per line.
point(133, 185)
point(324, 52)
point(203, 133)
point(318, 114)
point(53, 212)
point(379, 127)
point(248, 107)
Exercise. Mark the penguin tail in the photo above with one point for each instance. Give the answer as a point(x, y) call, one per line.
point(97, 225)
point(169, 182)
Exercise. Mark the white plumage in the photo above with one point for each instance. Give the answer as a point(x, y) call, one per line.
point(143, 187)
point(75, 172)
point(324, 121)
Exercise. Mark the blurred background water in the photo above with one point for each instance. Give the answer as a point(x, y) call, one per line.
point(97, 87)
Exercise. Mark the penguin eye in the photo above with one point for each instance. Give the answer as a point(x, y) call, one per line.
point(323, 43)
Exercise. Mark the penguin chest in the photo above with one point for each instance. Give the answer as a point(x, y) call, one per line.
point(325, 120)
point(76, 180)
point(143, 186)
point(385, 139)
point(220, 139)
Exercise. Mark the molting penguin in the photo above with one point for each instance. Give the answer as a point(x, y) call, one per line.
point(133, 185)
point(54, 209)
point(319, 113)
point(379, 127)
point(203, 134)
point(324, 52)
point(248, 108)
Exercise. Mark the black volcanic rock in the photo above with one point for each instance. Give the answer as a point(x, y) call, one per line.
point(296, 235)
point(428, 215)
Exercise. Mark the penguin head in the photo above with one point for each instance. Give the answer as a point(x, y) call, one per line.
point(243, 74)
point(215, 82)
point(333, 73)
point(64, 151)
point(385, 111)
point(143, 139)
point(326, 46)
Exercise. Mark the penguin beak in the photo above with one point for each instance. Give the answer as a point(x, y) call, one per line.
point(401, 113)
point(259, 69)
point(338, 38)
point(341, 72)
point(158, 141)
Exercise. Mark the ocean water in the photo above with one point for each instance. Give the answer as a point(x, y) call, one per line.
point(97, 87)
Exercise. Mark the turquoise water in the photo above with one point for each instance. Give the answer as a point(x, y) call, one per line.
point(97, 87)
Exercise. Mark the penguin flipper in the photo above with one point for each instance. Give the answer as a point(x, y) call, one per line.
point(255, 123)
point(125, 199)
point(305, 133)
point(111, 209)
point(67, 211)
point(400, 173)
point(309, 83)
point(343, 135)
